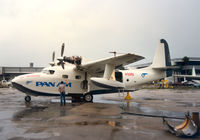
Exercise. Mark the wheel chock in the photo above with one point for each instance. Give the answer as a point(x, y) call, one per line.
point(128, 96)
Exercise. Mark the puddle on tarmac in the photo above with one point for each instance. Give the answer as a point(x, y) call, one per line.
point(100, 122)
point(27, 112)
point(145, 98)
point(43, 112)
point(187, 104)
point(134, 107)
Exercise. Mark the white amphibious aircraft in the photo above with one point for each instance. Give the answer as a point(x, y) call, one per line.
point(85, 79)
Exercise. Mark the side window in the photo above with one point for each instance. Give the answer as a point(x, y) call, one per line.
point(51, 71)
point(64, 76)
point(77, 77)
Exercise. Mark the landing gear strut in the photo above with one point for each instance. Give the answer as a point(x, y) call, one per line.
point(27, 98)
point(88, 97)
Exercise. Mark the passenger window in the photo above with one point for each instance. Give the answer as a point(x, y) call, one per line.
point(51, 71)
point(77, 77)
point(65, 76)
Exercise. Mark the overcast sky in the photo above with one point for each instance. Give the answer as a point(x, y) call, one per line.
point(30, 30)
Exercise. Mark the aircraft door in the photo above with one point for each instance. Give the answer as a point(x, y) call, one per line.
point(119, 76)
point(84, 83)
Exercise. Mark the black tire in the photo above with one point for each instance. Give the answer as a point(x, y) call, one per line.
point(27, 98)
point(88, 97)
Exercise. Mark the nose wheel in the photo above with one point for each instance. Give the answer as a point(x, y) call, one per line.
point(27, 98)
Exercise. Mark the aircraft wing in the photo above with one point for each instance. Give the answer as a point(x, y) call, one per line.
point(98, 66)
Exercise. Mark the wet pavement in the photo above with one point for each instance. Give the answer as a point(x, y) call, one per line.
point(110, 117)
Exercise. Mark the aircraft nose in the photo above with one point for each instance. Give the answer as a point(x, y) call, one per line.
point(14, 80)
point(17, 81)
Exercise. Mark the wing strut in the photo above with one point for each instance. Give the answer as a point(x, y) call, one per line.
point(108, 71)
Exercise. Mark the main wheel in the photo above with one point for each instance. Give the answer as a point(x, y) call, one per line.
point(88, 97)
point(27, 98)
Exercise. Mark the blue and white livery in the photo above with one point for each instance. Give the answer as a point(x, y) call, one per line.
point(85, 79)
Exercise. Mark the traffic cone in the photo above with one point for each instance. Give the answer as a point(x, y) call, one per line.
point(128, 96)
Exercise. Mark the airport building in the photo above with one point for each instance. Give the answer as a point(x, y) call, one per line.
point(8, 73)
point(186, 67)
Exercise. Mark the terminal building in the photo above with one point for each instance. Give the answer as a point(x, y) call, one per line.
point(8, 73)
point(185, 65)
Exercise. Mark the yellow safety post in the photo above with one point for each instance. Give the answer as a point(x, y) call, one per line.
point(128, 96)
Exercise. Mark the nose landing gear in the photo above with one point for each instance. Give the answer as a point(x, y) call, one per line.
point(27, 98)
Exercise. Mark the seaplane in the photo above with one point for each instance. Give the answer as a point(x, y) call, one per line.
point(85, 79)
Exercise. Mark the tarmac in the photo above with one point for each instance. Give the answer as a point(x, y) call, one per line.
point(109, 117)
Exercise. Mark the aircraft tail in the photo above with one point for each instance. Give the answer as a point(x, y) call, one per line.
point(162, 57)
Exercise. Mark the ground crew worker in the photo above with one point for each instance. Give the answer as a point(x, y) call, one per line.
point(61, 89)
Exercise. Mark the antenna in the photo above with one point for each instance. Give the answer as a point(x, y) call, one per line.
point(114, 52)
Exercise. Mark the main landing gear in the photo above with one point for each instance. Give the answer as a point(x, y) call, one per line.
point(27, 98)
point(88, 97)
point(85, 98)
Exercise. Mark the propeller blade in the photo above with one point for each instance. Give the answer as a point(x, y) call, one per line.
point(53, 56)
point(62, 49)
point(63, 65)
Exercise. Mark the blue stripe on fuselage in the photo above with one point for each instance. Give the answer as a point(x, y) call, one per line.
point(51, 84)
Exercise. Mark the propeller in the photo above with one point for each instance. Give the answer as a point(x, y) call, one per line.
point(61, 59)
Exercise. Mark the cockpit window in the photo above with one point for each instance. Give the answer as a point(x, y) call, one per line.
point(48, 71)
